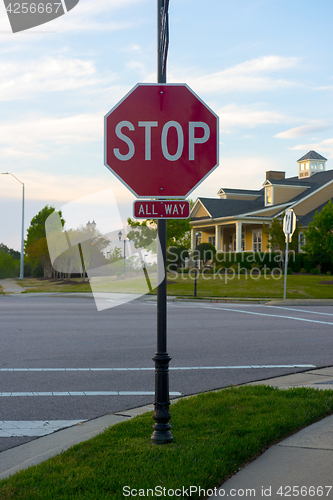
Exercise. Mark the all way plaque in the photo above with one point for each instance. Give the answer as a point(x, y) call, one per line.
point(161, 209)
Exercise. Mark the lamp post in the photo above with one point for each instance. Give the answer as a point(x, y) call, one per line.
point(22, 236)
point(120, 235)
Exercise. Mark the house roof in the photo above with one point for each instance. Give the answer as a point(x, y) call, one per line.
point(315, 181)
point(224, 208)
point(218, 207)
point(312, 155)
point(242, 191)
point(306, 219)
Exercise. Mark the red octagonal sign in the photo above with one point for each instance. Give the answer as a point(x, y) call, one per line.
point(161, 140)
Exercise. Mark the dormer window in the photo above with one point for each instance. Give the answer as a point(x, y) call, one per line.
point(268, 195)
point(302, 166)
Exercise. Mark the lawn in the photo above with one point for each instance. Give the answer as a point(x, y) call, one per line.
point(215, 434)
point(52, 285)
point(299, 286)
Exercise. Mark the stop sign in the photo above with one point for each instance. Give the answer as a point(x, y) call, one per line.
point(161, 140)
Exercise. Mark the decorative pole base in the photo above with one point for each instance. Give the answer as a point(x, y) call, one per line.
point(161, 434)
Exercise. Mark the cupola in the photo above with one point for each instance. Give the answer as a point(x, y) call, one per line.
point(310, 164)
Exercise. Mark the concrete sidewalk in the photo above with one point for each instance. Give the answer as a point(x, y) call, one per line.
point(10, 286)
point(300, 465)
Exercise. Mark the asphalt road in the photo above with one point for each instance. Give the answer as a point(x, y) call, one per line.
point(55, 350)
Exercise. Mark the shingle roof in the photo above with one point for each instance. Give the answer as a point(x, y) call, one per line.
point(218, 207)
point(307, 218)
point(242, 191)
point(224, 208)
point(315, 182)
point(312, 155)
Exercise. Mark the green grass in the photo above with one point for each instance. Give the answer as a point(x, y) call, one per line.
point(40, 285)
point(298, 286)
point(215, 434)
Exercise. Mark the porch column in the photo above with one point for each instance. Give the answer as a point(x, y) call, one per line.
point(238, 236)
point(193, 233)
point(218, 238)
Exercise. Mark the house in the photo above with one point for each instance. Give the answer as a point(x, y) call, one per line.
point(234, 221)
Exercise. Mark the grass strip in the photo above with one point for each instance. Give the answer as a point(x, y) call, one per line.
point(215, 434)
point(244, 286)
point(262, 286)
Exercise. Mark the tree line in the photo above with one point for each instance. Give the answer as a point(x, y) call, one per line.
point(318, 244)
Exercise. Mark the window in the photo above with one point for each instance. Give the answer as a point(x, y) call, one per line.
point(243, 242)
point(307, 165)
point(321, 166)
point(302, 166)
point(269, 195)
point(211, 240)
point(257, 241)
point(301, 241)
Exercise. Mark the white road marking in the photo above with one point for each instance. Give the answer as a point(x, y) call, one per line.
point(33, 428)
point(269, 315)
point(300, 310)
point(84, 393)
point(226, 367)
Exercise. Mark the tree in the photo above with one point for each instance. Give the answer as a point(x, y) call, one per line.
point(319, 237)
point(83, 251)
point(36, 245)
point(13, 253)
point(276, 236)
point(9, 267)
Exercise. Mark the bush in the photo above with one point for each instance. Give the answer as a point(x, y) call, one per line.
point(176, 256)
point(9, 267)
point(303, 271)
point(38, 270)
point(27, 269)
point(315, 270)
point(328, 273)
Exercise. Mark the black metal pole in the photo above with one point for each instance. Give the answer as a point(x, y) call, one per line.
point(196, 265)
point(161, 434)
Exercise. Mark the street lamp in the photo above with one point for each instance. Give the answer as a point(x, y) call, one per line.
point(22, 238)
point(120, 235)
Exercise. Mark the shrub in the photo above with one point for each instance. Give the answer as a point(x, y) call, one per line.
point(315, 270)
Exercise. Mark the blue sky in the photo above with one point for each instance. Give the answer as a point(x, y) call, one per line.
point(264, 66)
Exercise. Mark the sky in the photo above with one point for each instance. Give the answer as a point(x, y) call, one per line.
point(264, 66)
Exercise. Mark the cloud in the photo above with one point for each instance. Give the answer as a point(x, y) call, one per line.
point(86, 16)
point(20, 80)
point(242, 173)
point(39, 135)
point(250, 75)
point(324, 147)
point(313, 128)
point(60, 188)
point(233, 116)
point(95, 15)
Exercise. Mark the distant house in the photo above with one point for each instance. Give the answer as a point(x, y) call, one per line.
point(234, 221)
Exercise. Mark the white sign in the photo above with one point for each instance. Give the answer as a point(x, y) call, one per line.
point(289, 222)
